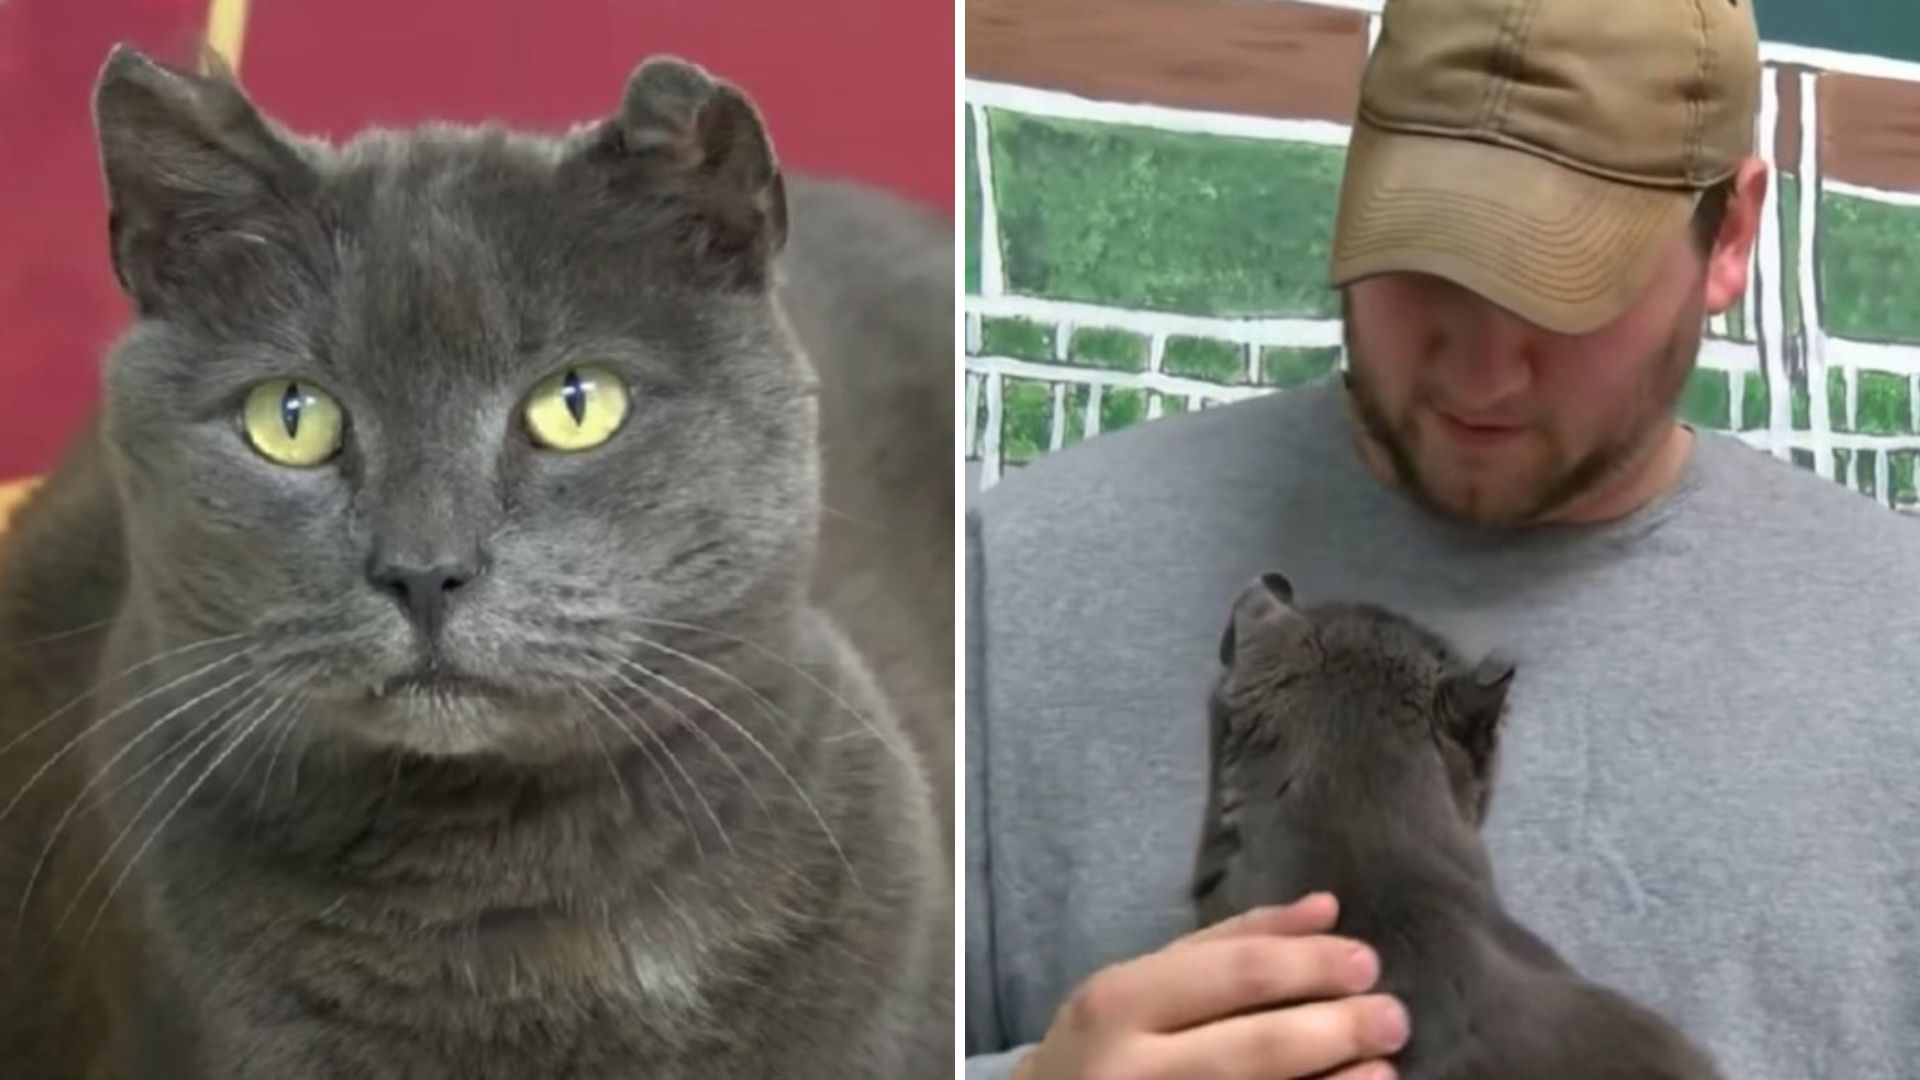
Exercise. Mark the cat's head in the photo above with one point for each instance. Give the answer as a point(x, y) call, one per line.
point(440, 420)
point(1353, 700)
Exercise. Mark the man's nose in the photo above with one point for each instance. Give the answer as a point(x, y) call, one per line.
point(1491, 357)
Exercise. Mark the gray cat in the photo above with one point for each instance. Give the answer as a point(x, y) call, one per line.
point(1354, 752)
point(424, 670)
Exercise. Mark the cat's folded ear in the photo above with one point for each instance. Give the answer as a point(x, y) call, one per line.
point(1263, 608)
point(699, 143)
point(189, 163)
point(1472, 704)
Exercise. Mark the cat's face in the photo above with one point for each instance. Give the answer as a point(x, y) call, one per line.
point(1353, 699)
point(441, 420)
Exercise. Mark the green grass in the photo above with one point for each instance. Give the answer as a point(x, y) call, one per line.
point(973, 210)
point(1900, 476)
point(1168, 221)
point(1022, 338)
point(1886, 403)
point(1708, 398)
point(1282, 366)
point(1205, 358)
point(1869, 269)
point(1756, 402)
point(1121, 407)
point(1789, 208)
point(1737, 327)
point(1119, 350)
point(1026, 411)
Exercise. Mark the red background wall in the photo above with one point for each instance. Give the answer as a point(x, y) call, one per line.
point(857, 88)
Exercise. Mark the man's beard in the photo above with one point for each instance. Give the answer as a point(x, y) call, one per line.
point(1568, 476)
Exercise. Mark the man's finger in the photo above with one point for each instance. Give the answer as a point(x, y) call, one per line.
point(1367, 1070)
point(1305, 1040)
point(1314, 913)
point(1205, 981)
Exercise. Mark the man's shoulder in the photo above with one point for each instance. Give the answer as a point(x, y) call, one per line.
point(1767, 499)
point(1167, 469)
point(1103, 563)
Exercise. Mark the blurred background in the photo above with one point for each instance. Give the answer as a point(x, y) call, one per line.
point(861, 89)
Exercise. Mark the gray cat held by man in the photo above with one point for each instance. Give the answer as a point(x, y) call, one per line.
point(428, 666)
point(1353, 752)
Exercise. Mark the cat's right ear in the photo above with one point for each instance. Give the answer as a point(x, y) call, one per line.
point(188, 161)
point(1473, 703)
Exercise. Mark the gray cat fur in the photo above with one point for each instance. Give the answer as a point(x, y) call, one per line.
point(1353, 752)
point(509, 885)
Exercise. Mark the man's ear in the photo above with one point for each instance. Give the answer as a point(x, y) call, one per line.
point(1731, 258)
point(193, 173)
point(698, 145)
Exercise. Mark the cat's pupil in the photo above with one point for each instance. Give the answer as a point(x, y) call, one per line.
point(290, 410)
point(575, 393)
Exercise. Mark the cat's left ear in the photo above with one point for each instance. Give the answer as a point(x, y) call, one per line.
point(1472, 704)
point(699, 142)
point(1262, 612)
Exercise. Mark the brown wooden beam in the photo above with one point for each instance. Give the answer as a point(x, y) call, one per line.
point(1870, 131)
point(1260, 57)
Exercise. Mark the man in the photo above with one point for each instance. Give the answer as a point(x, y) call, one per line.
point(1707, 795)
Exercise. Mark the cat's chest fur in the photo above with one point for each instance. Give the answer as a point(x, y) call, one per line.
point(557, 967)
point(566, 999)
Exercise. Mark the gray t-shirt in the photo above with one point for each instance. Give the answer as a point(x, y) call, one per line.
point(1710, 788)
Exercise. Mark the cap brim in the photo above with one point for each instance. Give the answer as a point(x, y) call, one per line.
point(1561, 248)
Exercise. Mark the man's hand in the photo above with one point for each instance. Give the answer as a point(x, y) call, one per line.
point(1183, 1012)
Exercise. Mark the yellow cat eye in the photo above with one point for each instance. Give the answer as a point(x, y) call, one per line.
point(293, 423)
point(577, 409)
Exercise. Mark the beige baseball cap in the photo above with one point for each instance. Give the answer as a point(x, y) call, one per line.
point(1543, 152)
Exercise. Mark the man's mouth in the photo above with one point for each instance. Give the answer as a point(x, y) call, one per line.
point(1477, 432)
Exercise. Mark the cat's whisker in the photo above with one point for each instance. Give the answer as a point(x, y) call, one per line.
point(698, 730)
point(864, 523)
point(233, 744)
point(781, 721)
point(169, 753)
point(247, 766)
point(666, 749)
point(30, 643)
point(279, 743)
point(613, 770)
point(772, 759)
point(209, 739)
point(904, 756)
point(75, 742)
point(246, 698)
point(299, 755)
point(665, 780)
point(144, 664)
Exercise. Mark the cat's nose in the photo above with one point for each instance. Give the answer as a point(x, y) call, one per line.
point(423, 591)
